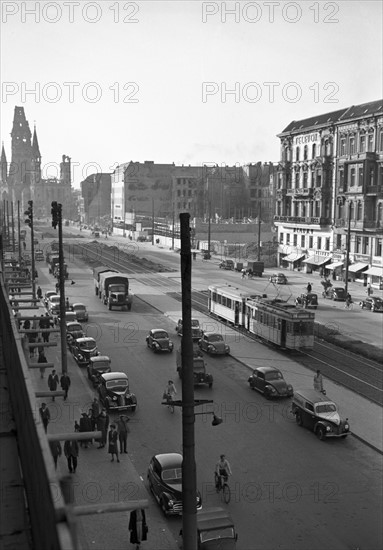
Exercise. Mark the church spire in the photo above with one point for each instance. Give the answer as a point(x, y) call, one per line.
point(3, 166)
point(35, 145)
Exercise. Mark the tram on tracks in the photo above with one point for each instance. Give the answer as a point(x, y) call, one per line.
point(273, 320)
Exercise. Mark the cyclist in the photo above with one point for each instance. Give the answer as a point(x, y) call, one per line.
point(170, 391)
point(348, 300)
point(222, 468)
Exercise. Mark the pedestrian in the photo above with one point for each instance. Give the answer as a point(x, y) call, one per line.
point(243, 273)
point(71, 452)
point(113, 446)
point(102, 425)
point(53, 382)
point(32, 337)
point(40, 346)
point(27, 324)
point(95, 413)
point(56, 451)
point(369, 289)
point(39, 293)
point(67, 306)
point(138, 527)
point(309, 287)
point(65, 384)
point(42, 359)
point(85, 426)
point(45, 415)
point(46, 324)
point(24, 245)
point(123, 430)
point(57, 288)
point(318, 382)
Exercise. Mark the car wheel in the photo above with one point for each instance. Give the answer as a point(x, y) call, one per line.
point(147, 343)
point(211, 385)
point(298, 419)
point(163, 507)
point(134, 407)
point(171, 350)
point(320, 433)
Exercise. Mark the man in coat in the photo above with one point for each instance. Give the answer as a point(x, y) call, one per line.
point(123, 431)
point(56, 451)
point(65, 384)
point(71, 451)
point(85, 426)
point(138, 527)
point(102, 425)
point(45, 415)
point(53, 382)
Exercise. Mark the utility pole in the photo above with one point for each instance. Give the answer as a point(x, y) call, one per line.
point(57, 221)
point(173, 230)
point(259, 233)
point(29, 222)
point(13, 229)
point(348, 245)
point(189, 474)
point(18, 230)
point(152, 222)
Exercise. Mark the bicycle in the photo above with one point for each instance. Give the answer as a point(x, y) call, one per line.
point(222, 485)
point(169, 399)
point(349, 305)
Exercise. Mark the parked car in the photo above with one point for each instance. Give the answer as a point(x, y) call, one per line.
point(158, 340)
point(165, 482)
point(278, 279)
point(114, 392)
point(83, 349)
point(215, 530)
point(338, 294)
point(226, 264)
point(97, 366)
point(307, 300)
point(73, 332)
point(80, 311)
point(70, 317)
point(270, 382)
point(200, 376)
point(54, 304)
point(213, 343)
point(196, 329)
point(319, 414)
point(372, 303)
point(47, 295)
point(39, 255)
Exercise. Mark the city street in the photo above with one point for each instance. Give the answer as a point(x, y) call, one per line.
point(289, 490)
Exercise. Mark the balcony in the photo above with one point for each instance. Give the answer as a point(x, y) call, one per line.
point(375, 190)
point(307, 221)
point(281, 193)
point(303, 192)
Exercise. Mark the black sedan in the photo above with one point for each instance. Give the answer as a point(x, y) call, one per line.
point(165, 482)
point(114, 392)
point(307, 300)
point(83, 349)
point(158, 340)
point(372, 304)
point(339, 294)
point(98, 365)
point(270, 382)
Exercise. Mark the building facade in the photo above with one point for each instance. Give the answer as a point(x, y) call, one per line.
point(328, 194)
point(96, 194)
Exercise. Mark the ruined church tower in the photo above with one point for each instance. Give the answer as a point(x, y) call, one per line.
point(19, 176)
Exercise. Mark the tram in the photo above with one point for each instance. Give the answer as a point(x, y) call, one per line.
point(273, 320)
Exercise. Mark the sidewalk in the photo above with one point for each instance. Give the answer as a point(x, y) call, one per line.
point(366, 418)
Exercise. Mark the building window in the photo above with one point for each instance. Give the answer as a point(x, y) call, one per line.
point(305, 179)
point(342, 148)
point(319, 243)
point(352, 177)
point(303, 239)
point(318, 178)
point(378, 247)
point(338, 242)
point(341, 178)
point(297, 154)
point(358, 244)
point(371, 176)
point(295, 241)
point(362, 143)
point(287, 238)
point(365, 245)
point(314, 151)
point(370, 141)
point(352, 145)
point(359, 210)
point(281, 238)
point(311, 242)
point(380, 212)
point(297, 179)
point(327, 245)
point(360, 175)
point(305, 152)
point(317, 209)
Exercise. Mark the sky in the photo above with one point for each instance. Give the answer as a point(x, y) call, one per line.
point(183, 82)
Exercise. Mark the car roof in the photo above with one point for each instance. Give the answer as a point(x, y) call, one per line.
point(312, 395)
point(99, 358)
point(212, 334)
point(73, 323)
point(113, 375)
point(169, 460)
point(213, 518)
point(86, 339)
point(76, 304)
point(267, 369)
point(154, 330)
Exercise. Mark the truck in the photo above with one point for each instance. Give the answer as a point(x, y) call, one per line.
point(96, 275)
point(255, 269)
point(53, 260)
point(113, 290)
point(199, 368)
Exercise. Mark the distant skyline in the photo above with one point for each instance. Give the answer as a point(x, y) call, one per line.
point(181, 82)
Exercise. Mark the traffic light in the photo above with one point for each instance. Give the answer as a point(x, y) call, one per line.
point(55, 214)
point(29, 213)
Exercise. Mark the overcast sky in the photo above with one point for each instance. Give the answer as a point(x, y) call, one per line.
point(109, 82)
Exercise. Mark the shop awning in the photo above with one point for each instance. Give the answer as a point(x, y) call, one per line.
point(294, 257)
point(376, 271)
point(334, 265)
point(354, 268)
point(317, 260)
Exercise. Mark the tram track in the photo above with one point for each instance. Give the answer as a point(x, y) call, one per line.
point(359, 374)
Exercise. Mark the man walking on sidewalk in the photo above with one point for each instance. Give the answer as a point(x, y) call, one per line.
point(53, 382)
point(123, 431)
point(71, 452)
point(45, 416)
point(65, 384)
point(318, 382)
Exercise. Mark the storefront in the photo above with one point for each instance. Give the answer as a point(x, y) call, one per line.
point(357, 272)
point(334, 270)
point(375, 275)
point(316, 264)
point(292, 261)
